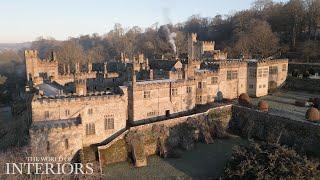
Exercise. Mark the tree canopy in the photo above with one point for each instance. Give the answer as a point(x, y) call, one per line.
point(268, 28)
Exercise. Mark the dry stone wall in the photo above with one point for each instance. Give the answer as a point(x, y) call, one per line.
point(312, 85)
point(251, 123)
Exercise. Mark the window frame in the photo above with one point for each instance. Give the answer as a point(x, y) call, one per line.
point(146, 94)
point(214, 80)
point(109, 123)
point(90, 129)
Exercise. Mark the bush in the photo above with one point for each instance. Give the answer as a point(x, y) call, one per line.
point(244, 100)
point(312, 114)
point(263, 106)
point(269, 161)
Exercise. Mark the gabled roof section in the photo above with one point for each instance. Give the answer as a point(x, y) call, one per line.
point(166, 65)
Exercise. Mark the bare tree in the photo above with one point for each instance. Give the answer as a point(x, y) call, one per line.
point(71, 52)
point(258, 41)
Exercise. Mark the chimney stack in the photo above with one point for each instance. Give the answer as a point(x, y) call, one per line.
point(77, 67)
point(105, 67)
point(134, 78)
point(69, 70)
point(151, 74)
point(64, 69)
point(89, 67)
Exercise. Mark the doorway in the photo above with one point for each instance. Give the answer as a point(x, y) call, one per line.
point(167, 113)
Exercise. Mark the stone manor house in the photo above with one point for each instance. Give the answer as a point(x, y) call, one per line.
point(73, 107)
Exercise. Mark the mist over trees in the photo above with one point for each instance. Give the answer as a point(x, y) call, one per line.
point(12, 74)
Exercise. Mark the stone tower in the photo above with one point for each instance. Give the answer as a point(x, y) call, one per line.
point(31, 57)
point(192, 38)
point(81, 86)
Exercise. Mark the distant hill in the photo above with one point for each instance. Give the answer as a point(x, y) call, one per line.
point(14, 46)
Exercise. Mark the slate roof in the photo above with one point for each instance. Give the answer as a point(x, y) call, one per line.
point(112, 66)
point(165, 65)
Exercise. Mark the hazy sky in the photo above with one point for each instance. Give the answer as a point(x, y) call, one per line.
point(25, 20)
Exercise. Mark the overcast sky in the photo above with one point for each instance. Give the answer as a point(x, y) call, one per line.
point(25, 20)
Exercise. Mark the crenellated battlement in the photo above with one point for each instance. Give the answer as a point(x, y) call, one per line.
point(165, 83)
point(73, 124)
point(208, 43)
point(206, 73)
point(30, 54)
point(72, 97)
point(231, 63)
point(266, 62)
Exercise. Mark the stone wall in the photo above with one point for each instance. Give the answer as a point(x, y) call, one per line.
point(59, 140)
point(251, 123)
point(100, 117)
point(115, 150)
point(294, 83)
point(243, 121)
point(161, 98)
point(302, 67)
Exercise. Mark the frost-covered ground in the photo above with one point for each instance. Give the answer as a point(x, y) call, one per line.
point(283, 103)
point(205, 161)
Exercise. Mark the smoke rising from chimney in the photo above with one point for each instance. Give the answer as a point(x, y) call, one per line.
point(171, 38)
point(170, 35)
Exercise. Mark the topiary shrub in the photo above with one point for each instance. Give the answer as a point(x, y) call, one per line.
point(263, 106)
point(306, 74)
point(316, 103)
point(313, 114)
point(244, 100)
point(269, 161)
point(219, 97)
